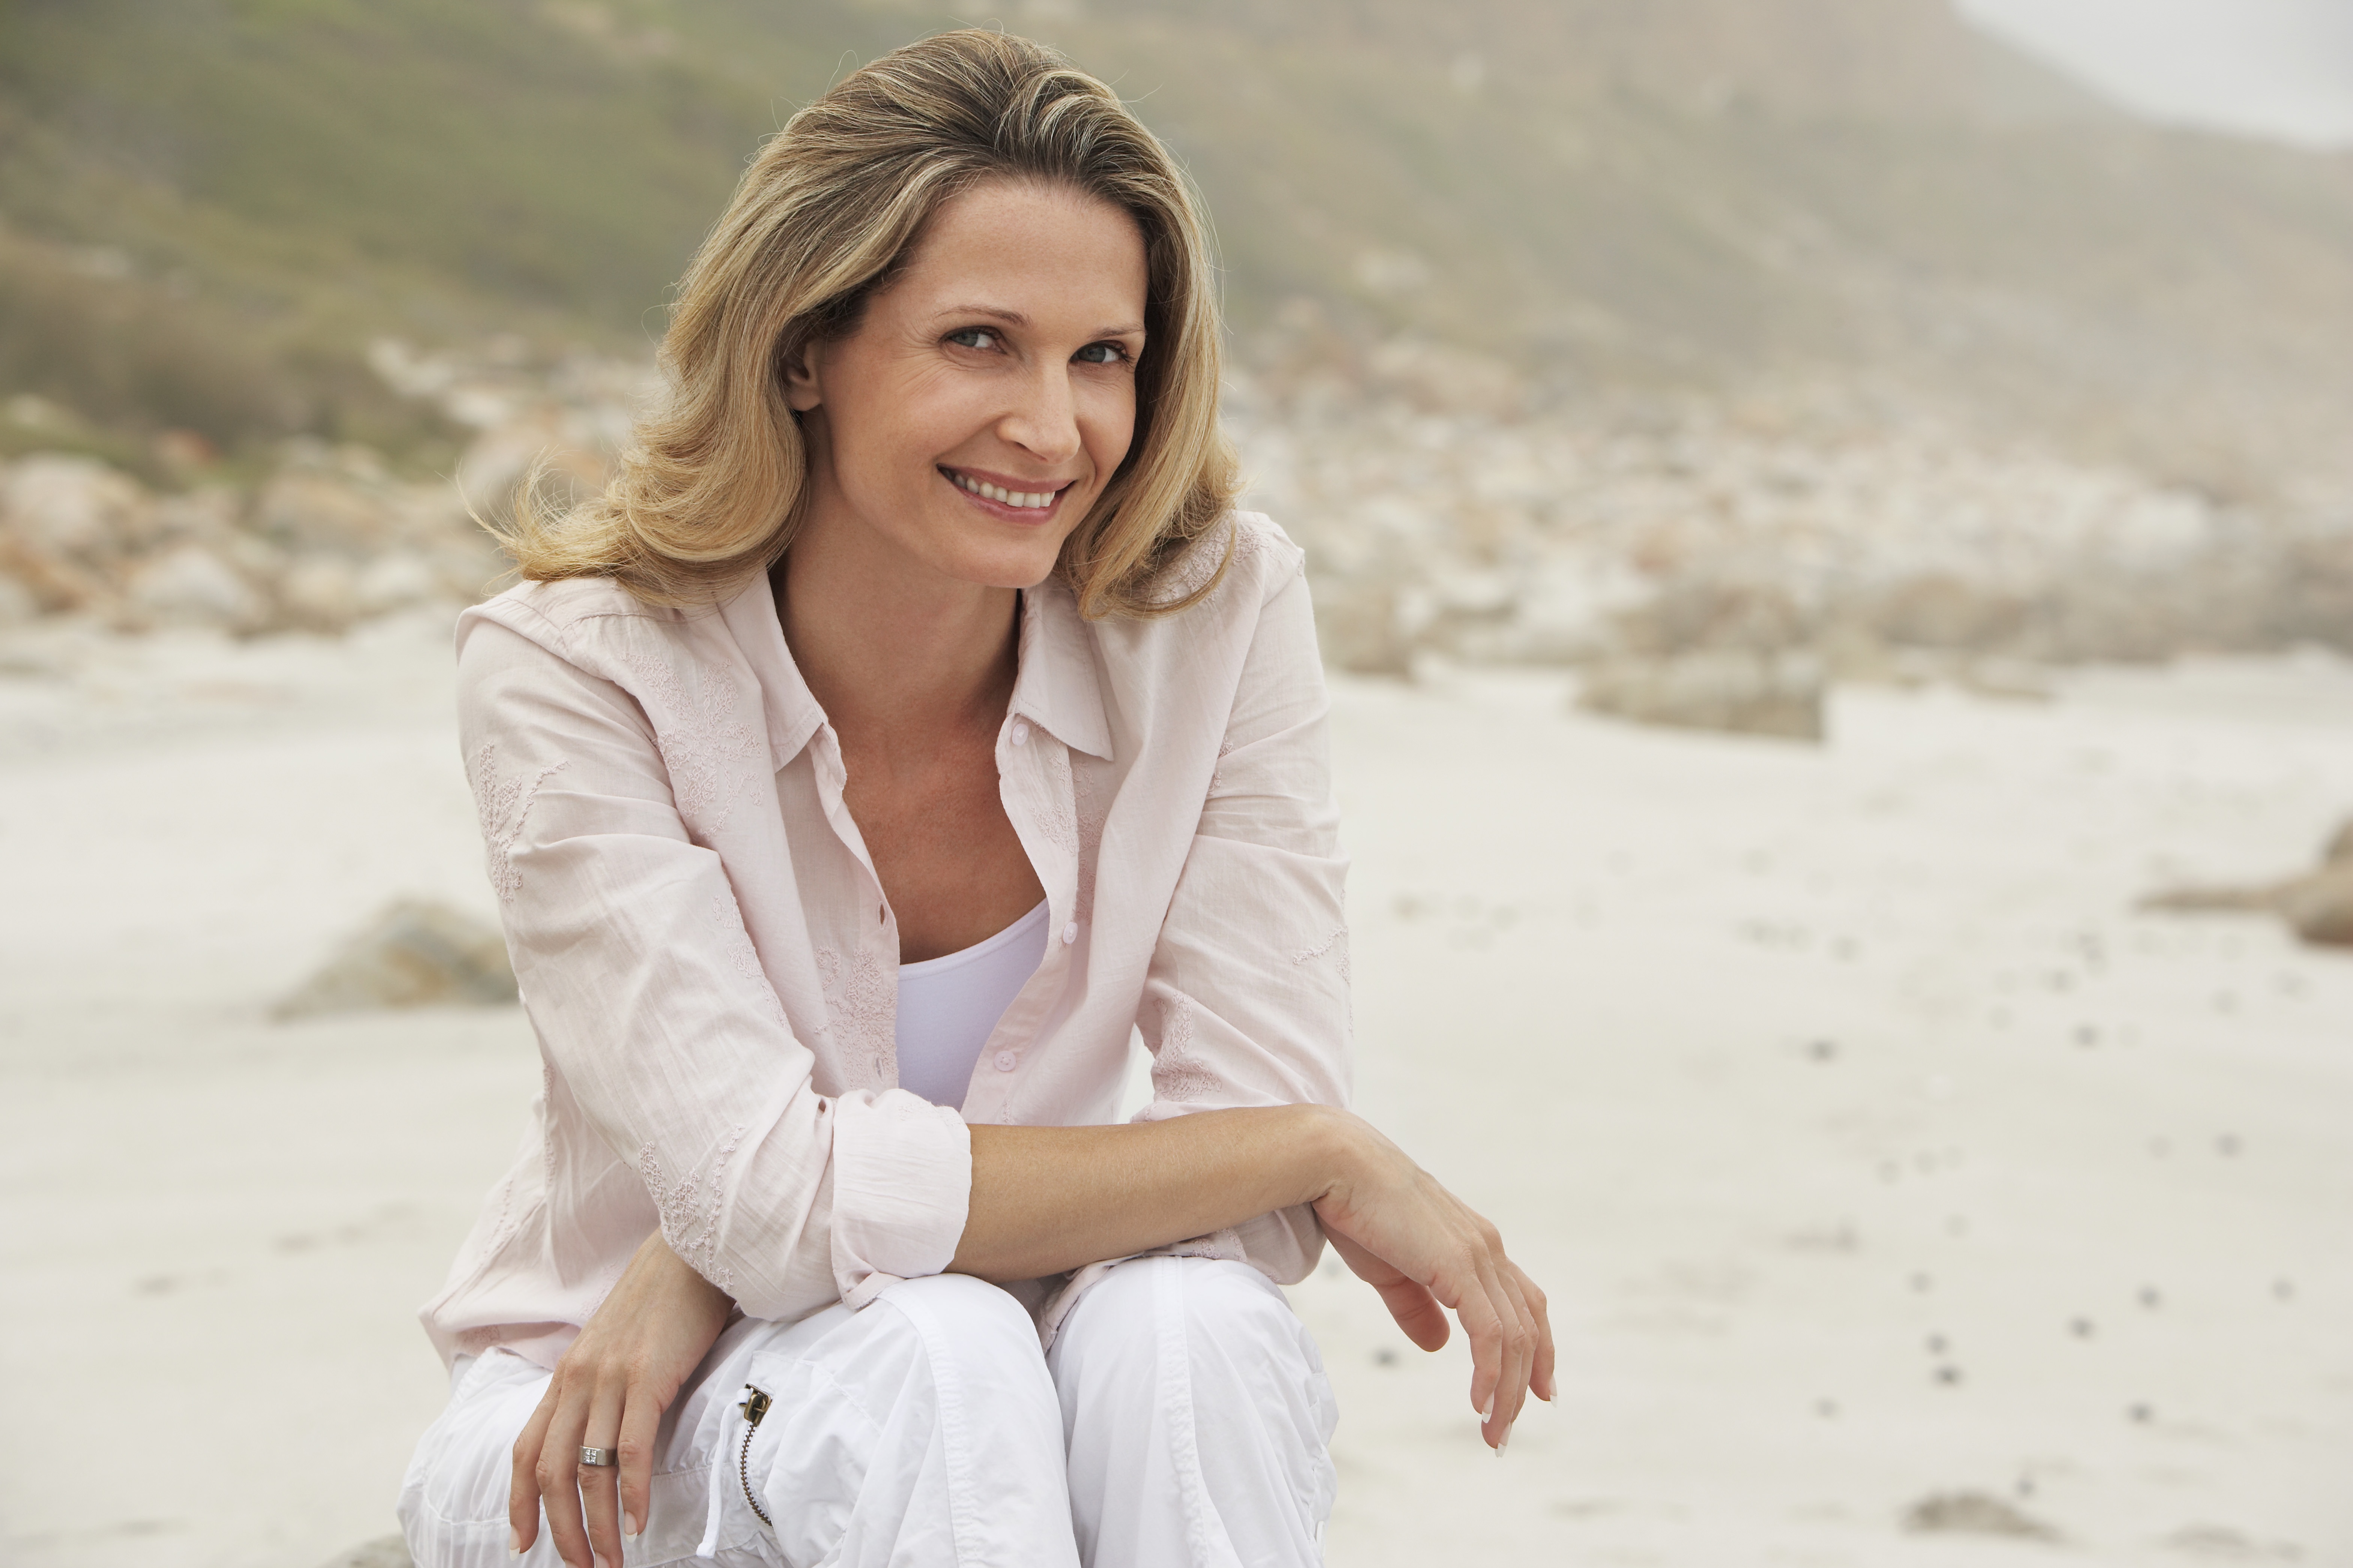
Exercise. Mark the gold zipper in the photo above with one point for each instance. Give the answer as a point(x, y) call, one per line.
point(754, 1405)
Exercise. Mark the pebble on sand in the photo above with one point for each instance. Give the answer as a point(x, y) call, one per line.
point(411, 954)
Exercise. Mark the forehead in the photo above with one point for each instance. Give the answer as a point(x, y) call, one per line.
point(1047, 252)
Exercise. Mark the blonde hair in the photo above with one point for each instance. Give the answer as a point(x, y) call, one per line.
point(716, 485)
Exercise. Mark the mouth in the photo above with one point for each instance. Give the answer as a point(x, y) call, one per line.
point(1028, 501)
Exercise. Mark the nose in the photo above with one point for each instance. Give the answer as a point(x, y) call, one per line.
point(1044, 418)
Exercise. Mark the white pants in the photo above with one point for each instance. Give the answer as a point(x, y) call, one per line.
point(1182, 1419)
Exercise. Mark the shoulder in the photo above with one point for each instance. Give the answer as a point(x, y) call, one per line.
point(592, 622)
point(1244, 559)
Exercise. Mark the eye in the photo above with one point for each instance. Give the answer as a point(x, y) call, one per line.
point(974, 337)
point(1102, 354)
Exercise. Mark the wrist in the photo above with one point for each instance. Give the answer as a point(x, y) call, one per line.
point(1331, 1143)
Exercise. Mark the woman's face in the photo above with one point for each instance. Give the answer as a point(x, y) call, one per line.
point(987, 397)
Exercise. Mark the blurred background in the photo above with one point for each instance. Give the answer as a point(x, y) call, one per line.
point(1855, 497)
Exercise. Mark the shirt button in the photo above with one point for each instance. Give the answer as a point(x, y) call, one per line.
point(1069, 933)
point(1007, 1061)
point(1021, 734)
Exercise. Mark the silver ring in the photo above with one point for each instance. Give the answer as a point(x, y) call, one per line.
point(600, 1457)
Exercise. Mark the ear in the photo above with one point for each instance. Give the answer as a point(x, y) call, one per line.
point(799, 369)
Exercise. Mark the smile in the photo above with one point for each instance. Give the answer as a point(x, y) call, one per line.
point(1026, 501)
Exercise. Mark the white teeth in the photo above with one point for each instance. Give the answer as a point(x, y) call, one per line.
point(1034, 499)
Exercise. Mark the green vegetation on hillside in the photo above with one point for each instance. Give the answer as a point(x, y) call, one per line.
point(208, 206)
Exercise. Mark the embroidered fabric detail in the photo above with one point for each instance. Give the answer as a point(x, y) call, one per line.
point(689, 1209)
point(1218, 775)
point(736, 942)
point(1335, 945)
point(503, 810)
point(1058, 823)
point(861, 1006)
point(1177, 1072)
point(1201, 559)
point(703, 742)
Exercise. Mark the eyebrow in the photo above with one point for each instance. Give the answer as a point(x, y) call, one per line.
point(1016, 319)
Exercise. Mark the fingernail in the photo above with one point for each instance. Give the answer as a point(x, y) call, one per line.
point(597, 1559)
point(629, 1526)
point(514, 1542)
point(1489, 1413)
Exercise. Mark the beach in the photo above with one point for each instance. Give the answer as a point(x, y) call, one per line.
point(1901, 1194)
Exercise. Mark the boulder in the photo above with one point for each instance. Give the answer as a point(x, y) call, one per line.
point(307, 509)
point(2320, 907)
point(1735, 690)
point(396, 581)
point(73, 508)
point(411, 954)
point(320, 592)
point(191, 586)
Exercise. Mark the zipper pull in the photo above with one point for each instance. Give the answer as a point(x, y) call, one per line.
point(755, 1404)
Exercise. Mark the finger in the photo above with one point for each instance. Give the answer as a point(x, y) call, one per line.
point(1511, 1357)
point(522, 1485)
point(600, 1489)
point(1417, 1311)
point(1542, 1383)
point(640, 1421)
point(1516, 1385)
point(1478, 1306)
point(558, 1477)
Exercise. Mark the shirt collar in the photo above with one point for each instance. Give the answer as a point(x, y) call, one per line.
point(1057, 689)
point(1056, 686)
point(786, 705)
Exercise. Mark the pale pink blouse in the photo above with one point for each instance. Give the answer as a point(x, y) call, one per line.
point(709, 963)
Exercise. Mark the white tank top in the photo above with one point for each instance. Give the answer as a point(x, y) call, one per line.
point(948, 1007)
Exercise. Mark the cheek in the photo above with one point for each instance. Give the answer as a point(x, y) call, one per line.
point(1109, 416)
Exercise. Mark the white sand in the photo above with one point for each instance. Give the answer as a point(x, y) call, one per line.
point(1780, 1067)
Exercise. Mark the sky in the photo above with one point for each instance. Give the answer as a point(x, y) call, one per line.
point(2281, 69)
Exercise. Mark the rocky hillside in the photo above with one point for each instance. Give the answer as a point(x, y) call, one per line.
point(205, 210)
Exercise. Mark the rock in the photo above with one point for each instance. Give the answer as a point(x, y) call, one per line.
point(386, 1552)
point(396, 581)
point(1735, 690)
point(306, 510)
point(2320, 907)
point(73, 508)
point(65, 525)
point(1974, 1513)
point(2229, 900)
point(320, 592)
point(18, 605)
point(1360, 630)
point(412, 954)
point(191, 586)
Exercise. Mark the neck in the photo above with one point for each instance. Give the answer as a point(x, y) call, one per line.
point(889, 653)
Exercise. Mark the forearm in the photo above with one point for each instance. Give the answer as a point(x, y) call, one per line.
point(1048, 1199)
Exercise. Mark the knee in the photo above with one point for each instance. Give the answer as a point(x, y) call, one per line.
point(972, 1315)
point(1216, 1313)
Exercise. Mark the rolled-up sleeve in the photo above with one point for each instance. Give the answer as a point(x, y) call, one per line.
point(656, 1019)
point(1246, 1001)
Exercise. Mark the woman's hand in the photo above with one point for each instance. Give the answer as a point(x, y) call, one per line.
point(609, 1392)
point(1424, 1249)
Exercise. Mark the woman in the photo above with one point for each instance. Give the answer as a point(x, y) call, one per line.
point(913, 720)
